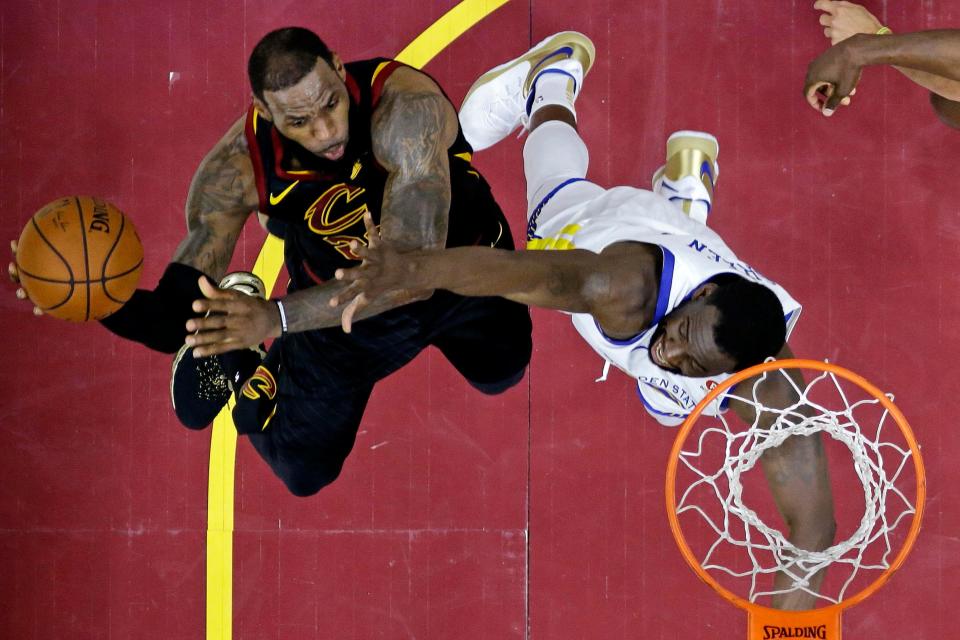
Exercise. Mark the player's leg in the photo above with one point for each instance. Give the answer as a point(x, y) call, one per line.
point(303, 406)
point(690, 174)
point(538, 90)
point(305, 466)
point(255, 402)
point(488, 340)
point(199, 387)
point(305, 439)
point(496, 104)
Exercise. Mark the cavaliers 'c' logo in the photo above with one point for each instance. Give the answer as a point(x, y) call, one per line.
point(322, 217)
point(332, 212)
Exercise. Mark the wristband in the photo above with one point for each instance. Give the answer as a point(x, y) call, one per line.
point(884, 31)
point(283, 317)
point(157, 318)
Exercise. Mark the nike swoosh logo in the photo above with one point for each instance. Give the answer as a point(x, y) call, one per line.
point(275, 200)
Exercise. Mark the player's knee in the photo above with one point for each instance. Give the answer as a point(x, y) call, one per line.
point(304, 485)
point(823, 534)
point(947, 110)
point(194, 427)
point(814, 530)
point(498, 387)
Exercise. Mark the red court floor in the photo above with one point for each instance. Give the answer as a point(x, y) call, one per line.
point(536, 514)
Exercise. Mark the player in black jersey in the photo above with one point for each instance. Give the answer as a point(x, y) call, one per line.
point(324, 143)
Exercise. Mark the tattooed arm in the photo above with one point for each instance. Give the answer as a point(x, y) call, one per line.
point(222, 195)
point(798, 477)
point(413, 127)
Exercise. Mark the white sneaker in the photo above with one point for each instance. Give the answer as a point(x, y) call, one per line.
point(496, 104)
point(690, 175)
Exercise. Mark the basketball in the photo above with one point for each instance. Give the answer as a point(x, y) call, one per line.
point(79, 258)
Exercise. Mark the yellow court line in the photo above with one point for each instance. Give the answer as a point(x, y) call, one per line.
point(223, 443)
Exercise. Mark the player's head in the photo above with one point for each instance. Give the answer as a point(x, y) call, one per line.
point(298, 84)
point(728, 324)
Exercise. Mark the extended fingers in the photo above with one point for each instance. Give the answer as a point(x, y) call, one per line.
point(208, 338)
point(373, 235)
point(209, 323)
point(214, 347)
point(350, 311)
point(22, 295)
point(347, 293)
point(349, 275)
point(12, 265)
point(232, 303)
point(825, 5)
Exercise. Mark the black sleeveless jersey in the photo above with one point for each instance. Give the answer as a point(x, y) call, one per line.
point(321, 203)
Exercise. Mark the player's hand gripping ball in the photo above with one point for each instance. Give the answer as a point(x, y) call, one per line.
point(79, 258)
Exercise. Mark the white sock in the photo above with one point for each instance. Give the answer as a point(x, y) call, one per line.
point(552, 154)
point(556, 85)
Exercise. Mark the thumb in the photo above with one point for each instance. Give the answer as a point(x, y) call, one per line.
point(209, 290)
point(844, 88)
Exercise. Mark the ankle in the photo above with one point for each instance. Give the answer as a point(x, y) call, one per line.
point(552, 113)
point(555, 86)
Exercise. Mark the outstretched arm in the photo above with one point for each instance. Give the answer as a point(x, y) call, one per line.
point(413, 127)
point(799, 479)
point(612, 285)
point(842, 20)
point(836, 71)
point(221, 197)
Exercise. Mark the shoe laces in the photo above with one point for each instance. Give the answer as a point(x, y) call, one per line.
point(507, 102)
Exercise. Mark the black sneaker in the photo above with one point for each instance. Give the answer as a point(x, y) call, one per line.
point(199, 387)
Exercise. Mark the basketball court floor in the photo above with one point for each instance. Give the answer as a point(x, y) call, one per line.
point(536, 514)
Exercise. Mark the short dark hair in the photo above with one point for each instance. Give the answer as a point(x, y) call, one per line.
point(283, 57)
point(751, 327)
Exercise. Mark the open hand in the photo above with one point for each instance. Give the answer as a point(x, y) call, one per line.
point(383, 272)
point(15, 278)
point(841, 20)
point(232, 320)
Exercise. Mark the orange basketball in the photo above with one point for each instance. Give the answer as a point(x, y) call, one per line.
point(79, 258)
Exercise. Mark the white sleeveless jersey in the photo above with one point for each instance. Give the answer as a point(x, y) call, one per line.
point(692, 254)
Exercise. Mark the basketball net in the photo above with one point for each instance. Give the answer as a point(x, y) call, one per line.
point(737, 552)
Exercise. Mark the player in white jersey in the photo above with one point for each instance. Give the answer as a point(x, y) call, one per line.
point(650, 287)
point(692, 256)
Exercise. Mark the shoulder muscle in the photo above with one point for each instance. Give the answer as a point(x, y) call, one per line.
point(624, 291)
point(224, 181)
point(414, 124)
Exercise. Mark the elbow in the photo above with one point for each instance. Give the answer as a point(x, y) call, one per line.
point(815, 532)
point(947, 109)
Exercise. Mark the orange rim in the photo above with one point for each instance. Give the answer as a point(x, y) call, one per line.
point(743, 603)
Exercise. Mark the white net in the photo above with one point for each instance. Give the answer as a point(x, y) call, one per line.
point(742, 551)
